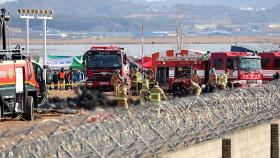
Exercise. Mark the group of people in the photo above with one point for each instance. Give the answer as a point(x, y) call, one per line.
point(63, 79)
point(214, 82)
point(142, 84)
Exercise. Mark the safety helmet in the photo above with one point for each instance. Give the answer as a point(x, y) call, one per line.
point(203, 86)
point(213, 70)
point(117, 71)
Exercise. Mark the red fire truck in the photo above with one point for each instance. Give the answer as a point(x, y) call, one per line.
point(270, 62)
point(101, 62)
point(174, 68)
point(22, 88)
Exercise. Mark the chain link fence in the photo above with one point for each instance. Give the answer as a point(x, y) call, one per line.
point(141, 132)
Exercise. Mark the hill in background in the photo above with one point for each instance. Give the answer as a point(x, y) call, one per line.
point(126, 15)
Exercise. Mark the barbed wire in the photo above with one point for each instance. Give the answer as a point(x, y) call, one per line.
point(140, 131)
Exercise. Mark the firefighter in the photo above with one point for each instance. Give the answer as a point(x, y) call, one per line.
point(138, 76)
point(116, 81)
point(61, 76)
point(195, 77)
point(151, 78)
point(157, 94)
point(145, 91)
point(212, 80)
point(195, 87)
point(135, 79)
point(122, 96)
point(223, 80)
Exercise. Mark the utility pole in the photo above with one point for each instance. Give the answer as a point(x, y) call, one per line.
point(3, 20)
point(142, 41)
point(179, 32)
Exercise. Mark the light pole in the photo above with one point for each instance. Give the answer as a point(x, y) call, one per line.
point(27, 14)
point(39, 14)
point(45, 15)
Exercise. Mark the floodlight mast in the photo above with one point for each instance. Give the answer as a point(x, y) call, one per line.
point(39, 14)
point(45, 15)
point(26, 14)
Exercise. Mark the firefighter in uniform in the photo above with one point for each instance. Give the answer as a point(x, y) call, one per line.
point(116, 81)
point(195, 87)
point(157, 94)
point(138, 80)
point(145, 91)
point(212, 80)
point(122, 96)
point(223, 80)
point(195, 77)
point(133, 81)
point(151, 78)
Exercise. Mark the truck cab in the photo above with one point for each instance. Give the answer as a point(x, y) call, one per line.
point(101, 62)
point(244, 67)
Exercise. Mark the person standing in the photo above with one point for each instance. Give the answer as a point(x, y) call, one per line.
point(116, 81)
point(212, 80)
point(70, 76)
point(138, 76)
point(223, 80)
point(145, 91)
point(61, 76)
point(122, 96)
point(55, 79)
point(49, 79)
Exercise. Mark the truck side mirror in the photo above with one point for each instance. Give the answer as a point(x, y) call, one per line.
point(83, 63)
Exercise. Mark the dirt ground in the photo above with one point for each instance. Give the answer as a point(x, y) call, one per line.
point(62, 94)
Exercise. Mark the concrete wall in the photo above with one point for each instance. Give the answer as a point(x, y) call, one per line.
point(253, 142)
point(209, 149)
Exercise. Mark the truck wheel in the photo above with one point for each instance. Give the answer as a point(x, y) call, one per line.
point(29, 109)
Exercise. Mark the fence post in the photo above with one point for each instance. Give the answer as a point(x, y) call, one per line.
point(226, 148)
point(274, 148)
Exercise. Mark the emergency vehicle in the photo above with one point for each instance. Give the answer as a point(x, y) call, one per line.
point(173, 68)
point(270, 62)
point(101, 62)
point(22, 88)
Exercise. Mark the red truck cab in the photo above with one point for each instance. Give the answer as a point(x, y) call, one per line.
point(270, 62)
point(101, 62)
point(244, 67)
